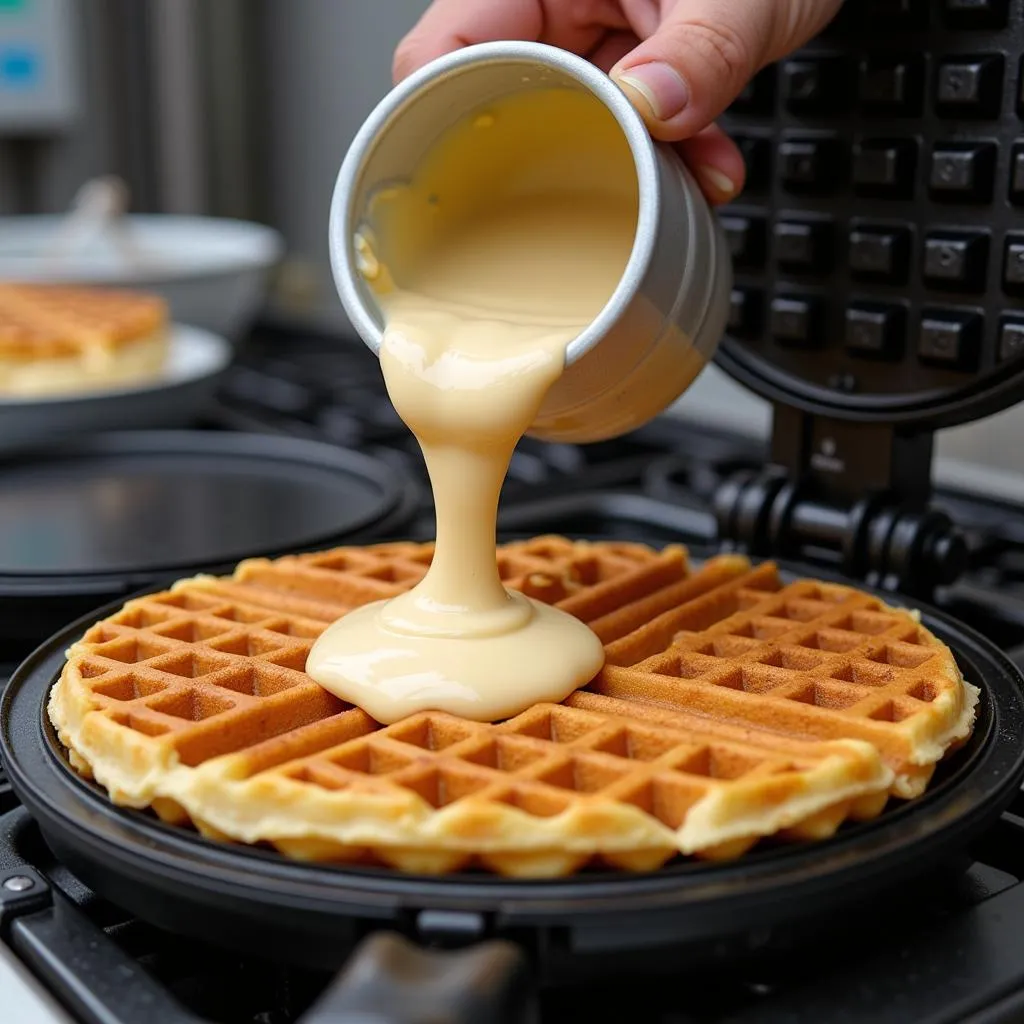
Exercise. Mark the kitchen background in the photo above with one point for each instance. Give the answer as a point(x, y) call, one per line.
point(244, 108)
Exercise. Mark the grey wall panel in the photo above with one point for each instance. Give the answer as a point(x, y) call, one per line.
point(328, 62)
point(42, 174)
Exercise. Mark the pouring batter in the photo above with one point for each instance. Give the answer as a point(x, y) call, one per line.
point(508, 243)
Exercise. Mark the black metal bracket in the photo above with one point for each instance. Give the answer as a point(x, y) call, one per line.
point(97, 980)
point(22, 891)
point(852, 496)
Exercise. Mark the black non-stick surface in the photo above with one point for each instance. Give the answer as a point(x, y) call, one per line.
point(876, 243)
point(134, 503)
point(85, 523)
point(255, 899)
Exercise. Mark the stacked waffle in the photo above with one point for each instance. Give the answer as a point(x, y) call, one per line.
point(60, 339)
point(732, 707)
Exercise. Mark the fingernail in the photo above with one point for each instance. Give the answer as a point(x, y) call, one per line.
point(719, 181)
point(660, 85)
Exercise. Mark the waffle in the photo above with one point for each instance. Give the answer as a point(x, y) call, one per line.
point(59, 339)
point(732, 708)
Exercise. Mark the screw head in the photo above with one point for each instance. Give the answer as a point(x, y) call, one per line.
point(18, 883)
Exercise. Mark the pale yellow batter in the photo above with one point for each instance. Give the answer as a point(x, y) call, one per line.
point(507, 244)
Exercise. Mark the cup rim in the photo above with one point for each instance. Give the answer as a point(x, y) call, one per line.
point(642, 147)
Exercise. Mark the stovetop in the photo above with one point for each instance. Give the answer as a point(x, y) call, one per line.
point(951, 954)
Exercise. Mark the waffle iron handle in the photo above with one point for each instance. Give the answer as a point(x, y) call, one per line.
point(389, 980)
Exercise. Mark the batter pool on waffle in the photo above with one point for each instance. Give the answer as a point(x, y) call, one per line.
point(733, 707)
point(56, 339)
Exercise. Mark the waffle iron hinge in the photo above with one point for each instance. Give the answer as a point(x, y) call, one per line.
point(850, 496)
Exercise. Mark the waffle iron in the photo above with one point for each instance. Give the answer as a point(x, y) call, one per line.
point(561, 932)
point(876, 255)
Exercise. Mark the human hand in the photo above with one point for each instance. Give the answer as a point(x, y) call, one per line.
point(680, 62)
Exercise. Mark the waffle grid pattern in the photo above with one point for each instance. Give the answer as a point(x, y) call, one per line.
point(38, 321)
point(814, 660)
point(194, 701)
point(879, 242)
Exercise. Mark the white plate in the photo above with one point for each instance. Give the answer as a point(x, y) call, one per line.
point(213, 272)
point(196, 360)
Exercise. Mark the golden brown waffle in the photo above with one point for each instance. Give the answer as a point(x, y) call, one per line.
point(732, 708)
point(67, 336)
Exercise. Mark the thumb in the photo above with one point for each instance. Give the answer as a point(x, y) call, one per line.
point(705, 52)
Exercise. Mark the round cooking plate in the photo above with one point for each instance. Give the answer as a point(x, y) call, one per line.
point(106, 515)
point(254, 898)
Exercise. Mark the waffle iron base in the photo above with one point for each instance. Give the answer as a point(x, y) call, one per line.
point(570, 929)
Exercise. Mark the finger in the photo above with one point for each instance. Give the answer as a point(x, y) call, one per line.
point(711, 155)
point(644, 16)
point(705, 51)
point(450, 25)
point(716, 163)
point(611, 49)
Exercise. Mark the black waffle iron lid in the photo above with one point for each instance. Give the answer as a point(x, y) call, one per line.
point(946, 366)
point(91, 521)
point(878, 250)
point(879, 243)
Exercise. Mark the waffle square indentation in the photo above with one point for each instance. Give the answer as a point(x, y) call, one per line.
point(430, 732)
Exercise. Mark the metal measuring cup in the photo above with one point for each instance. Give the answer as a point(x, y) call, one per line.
point(663, 321)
